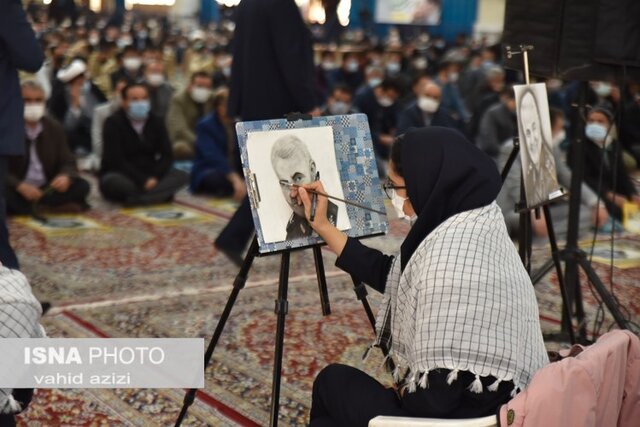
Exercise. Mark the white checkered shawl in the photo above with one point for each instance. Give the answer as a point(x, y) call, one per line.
point(19, 318)
point(463, 302)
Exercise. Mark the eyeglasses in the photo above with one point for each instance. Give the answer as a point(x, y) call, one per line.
point(389, 187)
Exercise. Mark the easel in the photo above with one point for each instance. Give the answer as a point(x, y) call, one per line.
point(281, 310)
point(572, 255)
point(525, 235)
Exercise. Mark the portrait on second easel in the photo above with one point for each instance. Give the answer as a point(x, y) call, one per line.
point(534, 130)
point(279, 160)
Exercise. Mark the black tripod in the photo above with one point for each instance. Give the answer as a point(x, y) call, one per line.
point(525, 237)
point(281, 309)
point(572, 255)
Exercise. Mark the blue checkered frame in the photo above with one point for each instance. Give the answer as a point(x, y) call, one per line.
point(358, 173)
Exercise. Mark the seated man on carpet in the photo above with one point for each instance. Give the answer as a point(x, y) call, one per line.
point(20, 314)
point(459, 316)
point(136, 161)
point(216, 166)
point(47, 174)
point(186, 109)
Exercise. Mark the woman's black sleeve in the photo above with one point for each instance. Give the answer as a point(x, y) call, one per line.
point(365, 264)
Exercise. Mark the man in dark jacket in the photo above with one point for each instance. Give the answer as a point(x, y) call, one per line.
point(427, 111)
point(136, 160)
point(47, 175)
point(19, 49)
point(271, 75)
point(498, 125)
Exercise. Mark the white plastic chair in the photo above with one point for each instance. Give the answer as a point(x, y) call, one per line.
point(381, 421)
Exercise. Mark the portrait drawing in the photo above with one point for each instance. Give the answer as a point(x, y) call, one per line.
point(283, 159)
point(534, 130)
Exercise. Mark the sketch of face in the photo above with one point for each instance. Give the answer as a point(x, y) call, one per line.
point(531, 126)
point(292, 164)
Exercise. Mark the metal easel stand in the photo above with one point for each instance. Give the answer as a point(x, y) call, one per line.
point(525, 238)
point(572, 255)
point(281, 310)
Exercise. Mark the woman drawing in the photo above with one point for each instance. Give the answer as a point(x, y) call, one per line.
point(459, 317)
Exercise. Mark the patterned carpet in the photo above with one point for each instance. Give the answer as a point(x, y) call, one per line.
point(150, 273)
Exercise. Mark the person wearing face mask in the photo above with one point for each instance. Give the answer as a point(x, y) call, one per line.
point(459, 315)
point(47, 175)
point(74, 98)
point(381, 107)
point(498, 124)
point(216, 165)
point(339, 102)
point(393, 64)
point(447, 79)
point(185, 110)
point(350, 73)
point(395, 69)
point(419, 64)
point(592, 213)
point(136, 162)
point(326, 73)
point(427, 110)
point(160, 91)
point(488, 94)
point(373, 77)
point(603, 163)
point(130, 66)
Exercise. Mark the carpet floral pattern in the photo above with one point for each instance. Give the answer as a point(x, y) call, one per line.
point(132, 277)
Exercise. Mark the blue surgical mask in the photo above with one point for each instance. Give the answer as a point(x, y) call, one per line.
point(596, 132)
point(139, 110)
point(352, 66)
point(393, 67)
point(374, 82)
point(337, 108)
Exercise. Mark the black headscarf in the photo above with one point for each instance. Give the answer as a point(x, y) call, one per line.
point(445, 174)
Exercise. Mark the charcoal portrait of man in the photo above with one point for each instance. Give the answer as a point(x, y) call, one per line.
point(293, 165)
point(537, 157)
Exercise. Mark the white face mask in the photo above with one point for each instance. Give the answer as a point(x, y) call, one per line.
point(398, 204)
point(454, 77)
point(428, 104)
point(155, 79)
point(200, 94)
point(132, 63)
point(420, 64)
point(34, 112)
point(385, 101)
point(603, 89)
point(328, 66)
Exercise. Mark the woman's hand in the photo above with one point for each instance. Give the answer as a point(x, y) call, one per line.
point(305, 196)
point(335, 238)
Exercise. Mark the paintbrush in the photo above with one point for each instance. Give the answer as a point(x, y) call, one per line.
point(319, 193)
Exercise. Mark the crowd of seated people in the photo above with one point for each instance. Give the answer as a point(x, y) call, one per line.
point(132, 101)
